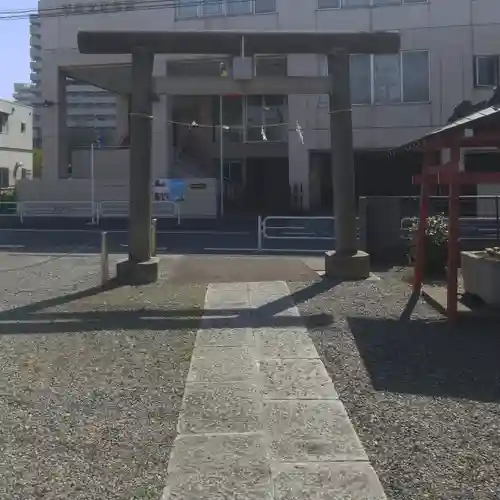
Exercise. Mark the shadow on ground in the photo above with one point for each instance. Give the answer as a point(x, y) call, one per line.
point(430, 358)
point(35, 319)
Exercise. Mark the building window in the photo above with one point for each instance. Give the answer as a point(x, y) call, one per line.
point(188, 9)
point(415, 75)
point(266, 118)
point(4, 123)
point(23, 128)
point(253, 118)
point(486, 71)
point(4, 177)
point(346, 4)
point(361, 79)
point(270, 65)
point(388, 78)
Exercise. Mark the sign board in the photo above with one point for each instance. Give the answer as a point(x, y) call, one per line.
point(97, 7)
point(169, 190)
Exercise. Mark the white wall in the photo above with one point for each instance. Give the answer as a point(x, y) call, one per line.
point(16, 141)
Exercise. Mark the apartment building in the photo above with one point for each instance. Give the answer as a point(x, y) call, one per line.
point(16, 142)
point(449, 53)
point(91, 111)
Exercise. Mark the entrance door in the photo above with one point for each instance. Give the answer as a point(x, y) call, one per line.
point(267, 186)
point(234, 185)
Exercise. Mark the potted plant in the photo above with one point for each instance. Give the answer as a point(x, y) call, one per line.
point(436, 244)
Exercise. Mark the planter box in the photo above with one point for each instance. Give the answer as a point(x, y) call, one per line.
point(481, 275)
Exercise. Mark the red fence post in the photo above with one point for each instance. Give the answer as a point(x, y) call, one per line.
point(422, 224)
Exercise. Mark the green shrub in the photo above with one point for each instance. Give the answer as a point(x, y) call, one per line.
point(7, 196)
point(436, 244)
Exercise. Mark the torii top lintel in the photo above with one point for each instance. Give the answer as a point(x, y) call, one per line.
point(230, 42)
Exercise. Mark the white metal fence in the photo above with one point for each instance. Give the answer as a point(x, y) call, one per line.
point(84, 209)
point(295, 229)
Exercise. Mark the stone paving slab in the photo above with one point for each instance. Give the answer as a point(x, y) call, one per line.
point(311, 431)
point(296, 379)
point(285, 343)
point(226, 337)
point(335, 481)
point(221, 407)
point(237, 483)
point(261, 419)
point(223, 364)
point(218, 450)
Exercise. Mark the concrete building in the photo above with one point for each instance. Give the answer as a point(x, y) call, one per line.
point(91, 111)
point(449, 54)
point(16, 142)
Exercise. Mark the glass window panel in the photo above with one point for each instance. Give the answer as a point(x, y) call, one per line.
point(212, 7)
point(328, 4)
point(187, 8)
point(487, 71)
point(361, 85)
point(355, 3)
point(254, 134)
point(416, 76)
point(277, 133)
point(239, 7)
point(387, 79)
point(273, 109)
point(254, 110)
point(232, 112)
point(271, 65)
point(378, 3)
point(263, 6)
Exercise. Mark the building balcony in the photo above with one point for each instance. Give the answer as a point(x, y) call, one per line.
point(35, 28)
point(35, 77)
point(36, 65)
point(36, 42)
point(35, 53)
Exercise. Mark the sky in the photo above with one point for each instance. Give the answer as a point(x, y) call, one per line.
point(14, 47)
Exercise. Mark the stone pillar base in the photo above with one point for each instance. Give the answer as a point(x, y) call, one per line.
point(137, 273)
point(347, 267)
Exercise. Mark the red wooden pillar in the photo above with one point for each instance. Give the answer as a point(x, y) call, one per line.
point(453, 233)
point(422, 222)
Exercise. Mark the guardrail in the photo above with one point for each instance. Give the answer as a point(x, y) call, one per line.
point(295, 228)
point(83, 209)
point(9, 209)
point(56, 209)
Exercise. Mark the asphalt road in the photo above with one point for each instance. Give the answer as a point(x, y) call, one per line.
point(175, 240)
point(287, 235)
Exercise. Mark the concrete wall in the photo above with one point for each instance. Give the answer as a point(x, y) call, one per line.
point(109, 164)
point(16, 140)
point(452, 30)
point(200, 195)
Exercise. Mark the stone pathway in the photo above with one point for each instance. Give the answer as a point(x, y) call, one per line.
point(260, 417)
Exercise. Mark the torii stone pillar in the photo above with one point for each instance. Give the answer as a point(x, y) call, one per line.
point(140, 267)
point(346, 262)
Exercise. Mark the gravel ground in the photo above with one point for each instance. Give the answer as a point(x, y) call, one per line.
point(423, 396)
point(28, 278)
point(90, 384)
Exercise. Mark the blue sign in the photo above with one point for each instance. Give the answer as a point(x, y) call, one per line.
point(176, 189)
point(169, 189)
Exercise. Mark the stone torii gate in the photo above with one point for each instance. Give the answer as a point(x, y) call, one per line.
point(346, 262)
